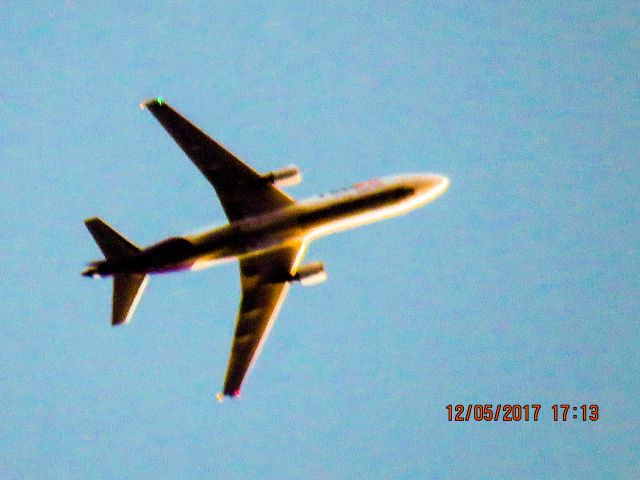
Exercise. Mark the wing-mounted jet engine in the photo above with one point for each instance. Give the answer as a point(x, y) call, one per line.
point(310, 274)
point(285, 177)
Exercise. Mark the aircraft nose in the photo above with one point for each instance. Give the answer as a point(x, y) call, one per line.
point(432, 186)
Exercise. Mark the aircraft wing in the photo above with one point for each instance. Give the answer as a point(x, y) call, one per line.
point(243, 192)
point(265, 280)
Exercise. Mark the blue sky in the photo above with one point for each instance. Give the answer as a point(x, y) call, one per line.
point(519, 285)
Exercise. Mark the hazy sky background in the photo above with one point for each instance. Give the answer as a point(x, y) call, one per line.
point(519, 285)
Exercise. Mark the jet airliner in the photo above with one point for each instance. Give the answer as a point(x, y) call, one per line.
point(268, 232)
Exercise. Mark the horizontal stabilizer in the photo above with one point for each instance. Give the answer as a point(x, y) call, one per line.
point(113, 244)
point(127, 290)
point(127, 287)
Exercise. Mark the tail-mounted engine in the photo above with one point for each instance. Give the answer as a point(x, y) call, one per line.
point(285, 177)
point(310, 274)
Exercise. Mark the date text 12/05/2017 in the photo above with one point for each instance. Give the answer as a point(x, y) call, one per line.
point(515, 412)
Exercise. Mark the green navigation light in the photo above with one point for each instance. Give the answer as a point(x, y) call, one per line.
point(160, 100)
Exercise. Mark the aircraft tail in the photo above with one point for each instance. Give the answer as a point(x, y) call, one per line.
point(113, 244)
point(127, 287)
point(127, 291)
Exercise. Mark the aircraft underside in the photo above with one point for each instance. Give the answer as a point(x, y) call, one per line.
point(268, 232)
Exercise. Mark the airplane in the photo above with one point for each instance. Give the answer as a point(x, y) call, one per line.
point(268, 232)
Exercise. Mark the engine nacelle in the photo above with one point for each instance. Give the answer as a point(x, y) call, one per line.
point(310, 274)
point(285, 177)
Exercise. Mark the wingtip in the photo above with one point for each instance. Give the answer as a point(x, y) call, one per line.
point(151, 101)
point(220, 396)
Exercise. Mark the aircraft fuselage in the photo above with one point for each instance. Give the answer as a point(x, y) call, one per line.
point(364, 203)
